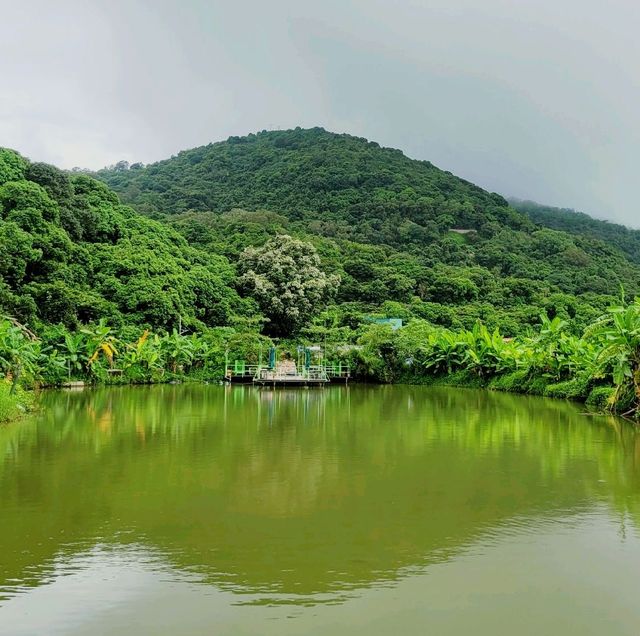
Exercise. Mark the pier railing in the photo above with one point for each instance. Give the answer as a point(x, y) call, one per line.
point(240, 371)
point(313, 374)
point(337, 370)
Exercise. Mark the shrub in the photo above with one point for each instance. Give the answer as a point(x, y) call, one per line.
point(601, 398)
point(13, 405)
point(574, 389)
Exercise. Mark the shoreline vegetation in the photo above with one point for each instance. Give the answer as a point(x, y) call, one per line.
point(601, 368)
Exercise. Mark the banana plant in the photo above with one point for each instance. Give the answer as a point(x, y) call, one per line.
point(142, 361)
point(178, 350)
point(617, 334)
point(100, 343)
point(53, 365)
point(18, 352)
point(550, 348)
point(488, 353)
point(73, 349)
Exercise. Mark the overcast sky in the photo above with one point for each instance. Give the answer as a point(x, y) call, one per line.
point(532, 98)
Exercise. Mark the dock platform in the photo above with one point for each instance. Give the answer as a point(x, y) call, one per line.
point(287, 374)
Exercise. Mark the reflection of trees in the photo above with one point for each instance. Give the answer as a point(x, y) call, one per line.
point(300, 491)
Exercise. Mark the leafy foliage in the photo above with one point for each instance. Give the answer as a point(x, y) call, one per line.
point(581, 224)
point(70, 253)
point(101, 353)
point(604, 361)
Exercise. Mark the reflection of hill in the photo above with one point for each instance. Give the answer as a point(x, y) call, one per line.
point(299, 491)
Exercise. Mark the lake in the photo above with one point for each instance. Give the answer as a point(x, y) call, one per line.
point(201, 509)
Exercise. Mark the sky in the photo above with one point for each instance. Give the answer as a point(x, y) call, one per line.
point(536, 99)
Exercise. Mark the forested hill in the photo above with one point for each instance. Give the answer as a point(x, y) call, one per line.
point(402, 229)
point(347, 186)
point(581, 224)
point(398, 238)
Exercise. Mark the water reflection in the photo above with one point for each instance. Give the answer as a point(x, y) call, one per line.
point(301, 495)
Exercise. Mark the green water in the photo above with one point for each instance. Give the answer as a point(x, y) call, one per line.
point(367, 510)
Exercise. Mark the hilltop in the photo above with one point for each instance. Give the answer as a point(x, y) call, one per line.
point(353, 187)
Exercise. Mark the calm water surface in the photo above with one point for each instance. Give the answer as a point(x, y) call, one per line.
point(367, 510)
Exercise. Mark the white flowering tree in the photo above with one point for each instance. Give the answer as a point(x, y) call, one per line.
point(285, 279)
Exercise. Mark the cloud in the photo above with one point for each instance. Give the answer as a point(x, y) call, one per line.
point(532, 99)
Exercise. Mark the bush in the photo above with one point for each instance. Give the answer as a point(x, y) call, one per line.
point(536, 385)
point(574, 389)
point(510, 382)
point(601, 398)
point(13, 405)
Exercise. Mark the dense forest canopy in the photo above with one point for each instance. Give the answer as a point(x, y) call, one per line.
point(394, 229)
point(71, 253)
point(350, 187)
point(582, 224)
point(402, 237)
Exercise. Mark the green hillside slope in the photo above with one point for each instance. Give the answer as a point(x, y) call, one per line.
point(395, 229)
point(354, 188)
point(581, 224)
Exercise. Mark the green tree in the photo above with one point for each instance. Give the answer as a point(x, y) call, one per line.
point(12, 165)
